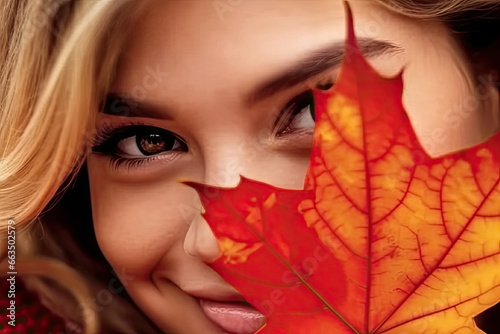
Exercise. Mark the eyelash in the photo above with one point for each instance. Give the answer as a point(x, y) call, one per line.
point(108, 136)
point(297, 104)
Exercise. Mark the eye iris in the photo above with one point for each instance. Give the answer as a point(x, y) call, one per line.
point(153, 143)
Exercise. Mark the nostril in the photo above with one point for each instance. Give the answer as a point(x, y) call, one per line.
point(200, 241)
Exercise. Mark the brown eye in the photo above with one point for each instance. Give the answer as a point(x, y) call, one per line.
point(153, 143)
point(138, 141)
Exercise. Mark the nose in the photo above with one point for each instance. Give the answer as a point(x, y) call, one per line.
point(200, 241)
point(222, 168)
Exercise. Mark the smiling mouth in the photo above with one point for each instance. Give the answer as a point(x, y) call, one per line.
point(235, 317)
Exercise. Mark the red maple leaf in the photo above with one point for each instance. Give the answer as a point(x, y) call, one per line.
point(383, 239)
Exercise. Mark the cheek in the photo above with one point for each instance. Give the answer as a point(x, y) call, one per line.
point(439, 95)
point(440, 99)
point(135, 224)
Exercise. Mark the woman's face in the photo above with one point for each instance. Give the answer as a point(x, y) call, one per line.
point(210, 90)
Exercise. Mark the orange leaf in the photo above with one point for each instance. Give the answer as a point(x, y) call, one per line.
point(383, 239)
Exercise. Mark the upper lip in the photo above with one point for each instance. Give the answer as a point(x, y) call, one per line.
point(214, 293)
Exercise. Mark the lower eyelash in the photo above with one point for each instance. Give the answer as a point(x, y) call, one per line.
point(117, 162)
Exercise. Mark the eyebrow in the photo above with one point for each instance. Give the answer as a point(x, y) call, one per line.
point(314, 63)
point(122, 104)
point(317, 62)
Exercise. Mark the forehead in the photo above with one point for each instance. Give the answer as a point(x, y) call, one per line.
point(225, 43)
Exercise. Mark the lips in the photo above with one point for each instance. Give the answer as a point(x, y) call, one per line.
point(233, 317)
point(225, 307)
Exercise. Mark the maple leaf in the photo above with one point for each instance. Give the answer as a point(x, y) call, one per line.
point(383, 239)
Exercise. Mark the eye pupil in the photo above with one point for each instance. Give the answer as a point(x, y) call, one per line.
point(153, 143)
point(154, 139)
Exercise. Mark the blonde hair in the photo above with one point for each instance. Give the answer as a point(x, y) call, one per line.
point(57, 60)
point(433, 9)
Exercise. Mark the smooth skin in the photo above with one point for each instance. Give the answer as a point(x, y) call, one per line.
point(197, 67)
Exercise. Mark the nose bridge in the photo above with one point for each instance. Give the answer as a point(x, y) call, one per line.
point(225, 160)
